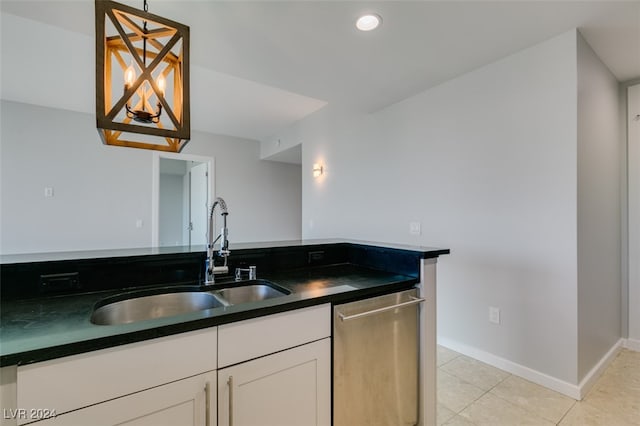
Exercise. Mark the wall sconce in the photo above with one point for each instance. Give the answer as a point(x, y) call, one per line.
point(317, 170)
point(142, 78)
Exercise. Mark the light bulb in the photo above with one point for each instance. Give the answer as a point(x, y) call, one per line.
point(368, 22)
point(317, 170)
point(162, 83)
point(129, 76)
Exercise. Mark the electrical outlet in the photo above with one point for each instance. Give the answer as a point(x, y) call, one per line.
point(315, 257)
point(48, 191)
point(494, 315)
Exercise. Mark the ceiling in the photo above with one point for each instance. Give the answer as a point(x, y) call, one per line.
point(259, 66)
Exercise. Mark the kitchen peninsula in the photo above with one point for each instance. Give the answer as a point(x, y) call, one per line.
point(47, 330)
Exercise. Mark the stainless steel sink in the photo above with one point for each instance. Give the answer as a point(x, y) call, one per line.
point(167, 302)
point(155, 306)
point(251, 291)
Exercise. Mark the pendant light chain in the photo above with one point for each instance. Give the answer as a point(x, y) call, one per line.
point(144, 38)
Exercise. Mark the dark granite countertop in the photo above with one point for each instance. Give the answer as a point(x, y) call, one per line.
point(40, 329)
point(39, 322)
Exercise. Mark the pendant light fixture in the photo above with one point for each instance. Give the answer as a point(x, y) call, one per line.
point(142, 78)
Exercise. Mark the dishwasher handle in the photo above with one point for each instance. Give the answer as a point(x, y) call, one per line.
point(413, 301)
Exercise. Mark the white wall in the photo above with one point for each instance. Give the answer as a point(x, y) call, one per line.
point(101, 191)
point(600, 148)
point(517, 168)
point(488, 164)
point(264, 197)
point(634, 214)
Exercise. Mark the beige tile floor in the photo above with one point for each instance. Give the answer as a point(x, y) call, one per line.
point(473, 393)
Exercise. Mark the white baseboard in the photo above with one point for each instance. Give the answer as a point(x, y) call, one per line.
point(571, 390)
point(590, 379)
point(632, 344)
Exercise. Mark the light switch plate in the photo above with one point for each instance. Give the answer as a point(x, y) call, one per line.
point(494, 315)
point(415, 228)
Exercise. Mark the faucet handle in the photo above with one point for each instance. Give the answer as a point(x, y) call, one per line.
point(251, 270)
point(210, 271)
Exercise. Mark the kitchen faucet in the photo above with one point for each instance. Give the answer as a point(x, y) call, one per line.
point(210, 270)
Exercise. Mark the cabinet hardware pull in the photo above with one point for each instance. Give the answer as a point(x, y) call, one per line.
point(414, 301)
point(207, 404)
point(230, 383)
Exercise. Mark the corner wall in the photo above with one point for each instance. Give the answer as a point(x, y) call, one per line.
point(487, 163)
point(600, 149)
point(101, 191)
point(634, 215)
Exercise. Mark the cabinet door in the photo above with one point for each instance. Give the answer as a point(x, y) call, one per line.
point(187, 402)
point(78, 381)
point(288, 388)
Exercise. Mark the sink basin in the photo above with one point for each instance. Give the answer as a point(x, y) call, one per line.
point(167, 302)
point(251, 291)
point(155, 306)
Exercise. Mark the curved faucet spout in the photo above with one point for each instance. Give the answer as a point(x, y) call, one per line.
point(210, 269)
point(224, 212)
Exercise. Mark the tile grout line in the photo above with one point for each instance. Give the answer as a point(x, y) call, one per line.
point(457, 413)
point(567, 413)
point(528, 410)
point(533, 412)
point(447, 362)
point(471, 403)
point(573, 405)
point(471, 384)
point(482, 395)
point(505, 400)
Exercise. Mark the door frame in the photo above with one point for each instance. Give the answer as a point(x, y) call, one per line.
point(155, 185)
point(633, 223)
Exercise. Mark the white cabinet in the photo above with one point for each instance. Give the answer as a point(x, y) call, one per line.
point(187, 402)
point(8, 394)
point(134, 381)
point(288, 388)
point(276, 370)
point(249, 339)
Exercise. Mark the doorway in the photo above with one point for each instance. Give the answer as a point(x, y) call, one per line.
point(182, 189)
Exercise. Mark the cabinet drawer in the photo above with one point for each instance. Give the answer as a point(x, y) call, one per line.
point(181, 403)
point(77, 381)
point(249, 339)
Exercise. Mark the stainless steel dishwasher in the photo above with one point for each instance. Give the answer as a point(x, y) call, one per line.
point(375, 355)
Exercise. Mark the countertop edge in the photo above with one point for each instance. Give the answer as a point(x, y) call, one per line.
point(142, 252)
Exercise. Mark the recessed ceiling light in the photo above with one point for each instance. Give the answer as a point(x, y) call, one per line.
point(368, 22)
